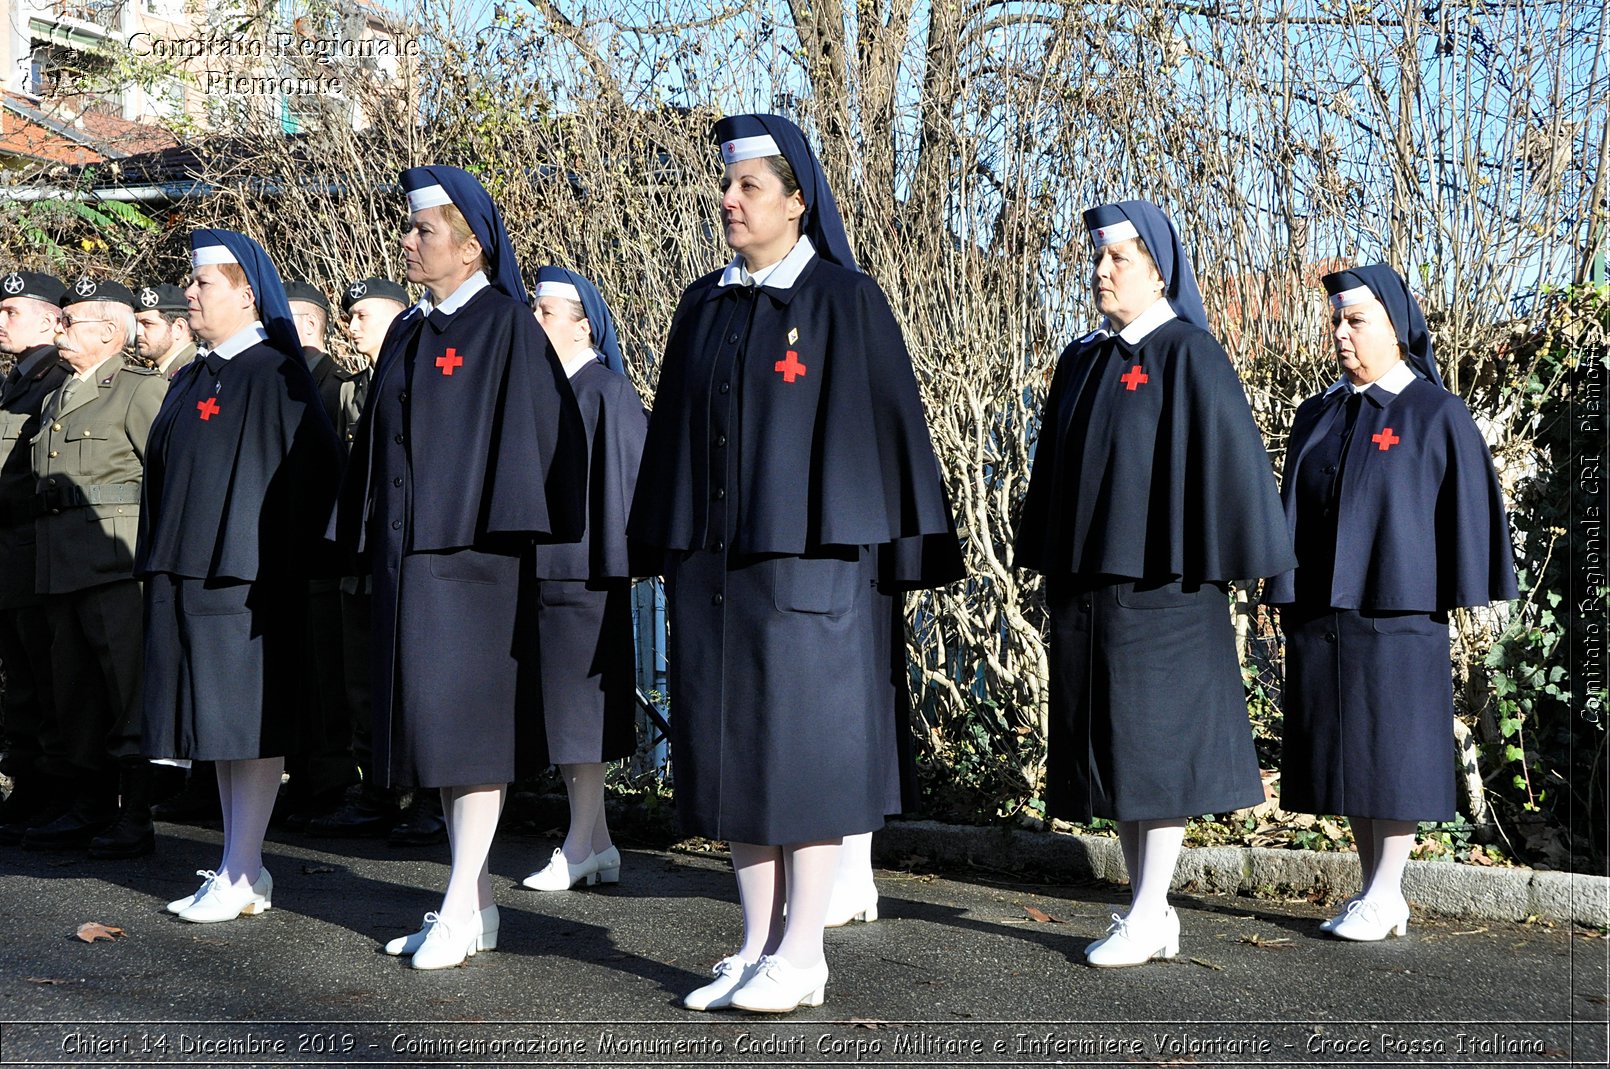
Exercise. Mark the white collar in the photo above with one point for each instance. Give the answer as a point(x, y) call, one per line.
point(1159, 313)
point(86, 376)
point(1393, 380)
point(779, 276)
point(240, 341)
point(575, 363)
point(458, 298)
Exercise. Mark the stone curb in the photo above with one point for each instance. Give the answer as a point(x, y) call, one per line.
point(1446, 888)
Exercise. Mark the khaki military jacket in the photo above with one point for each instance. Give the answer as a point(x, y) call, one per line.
point(89, 460)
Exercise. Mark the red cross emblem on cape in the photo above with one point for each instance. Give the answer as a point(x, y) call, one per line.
point(790, 369)
point(1386, 439)
point(207, 408)
point(1133, 378)
point(448, 361)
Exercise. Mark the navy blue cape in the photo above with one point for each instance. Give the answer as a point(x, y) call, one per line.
point(1420, 519)
point(500, 418)
point(616, 425)
point(244, 492)
point(1157, 473)
point(839, 454)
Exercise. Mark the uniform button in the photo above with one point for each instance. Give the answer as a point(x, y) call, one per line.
point(1330, 469)
point(717, 547)
point(54, 454)
point(349, 436)
point(732, 339)
point(120, 510)
point(725, 387)
point(396, 480)
point(396, 525)
point(1330, 636)
point(721, 440)
point(403, 397)
point(720, 493)
point(55, 426)
point(1085, 604)
point(717, 599)
point(50, 482)
point(398, 439)
point(55, 512)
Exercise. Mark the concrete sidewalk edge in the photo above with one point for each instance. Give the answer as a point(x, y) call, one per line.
point(1441, 887)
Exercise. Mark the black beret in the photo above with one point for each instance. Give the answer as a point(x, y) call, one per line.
point(162, 297)
point(307, 293)
point(35, 284)
point(365, 288)
point(90, 288)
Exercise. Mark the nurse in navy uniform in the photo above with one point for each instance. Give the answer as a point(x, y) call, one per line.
point(469, 450)
point(788, 460)
point(1397, 517)
point(584, 609)
point(240, 475)
point(1151, 492)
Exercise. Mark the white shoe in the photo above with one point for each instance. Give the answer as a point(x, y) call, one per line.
point(1330, 925)
point(778, 987)
point(223, 902)
point(1367, 922)
point(561, 875)
point(179, 905)
point(1136, 944)
point(609, 865)
point(1112, 929)
point(845, 905)
point(409, 944)
point(447, 945)
point(730, 973)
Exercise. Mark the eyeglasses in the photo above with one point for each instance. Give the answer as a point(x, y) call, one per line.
point(69, 322)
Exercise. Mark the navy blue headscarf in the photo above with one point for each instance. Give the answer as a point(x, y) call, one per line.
point(821, 223)
point(264, 279)
point(475, 203)
point(1167, 251)
point(1414, 337)
point(596, 311)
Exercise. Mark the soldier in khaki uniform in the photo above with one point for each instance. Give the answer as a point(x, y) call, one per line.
point(164, 337)
point(29, 313)
point(89, 459)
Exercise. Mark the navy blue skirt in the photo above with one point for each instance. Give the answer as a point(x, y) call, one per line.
point(783, 681)
point(1369, 715)
point(589, 672)
point(1148, 712)
point(225, 668)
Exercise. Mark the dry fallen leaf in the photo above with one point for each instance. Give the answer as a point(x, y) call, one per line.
point(47, 980)
point(1268, 944)
point(1040, 916)
point(90, 931)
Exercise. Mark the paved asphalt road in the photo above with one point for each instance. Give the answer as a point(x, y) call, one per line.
point(957, 972)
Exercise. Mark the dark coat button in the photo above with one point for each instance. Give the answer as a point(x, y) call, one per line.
point(725, 387)
point(721, 440)
point(396, 480)
point(1330, 636)
point(398, 439)
point(720, 493)
point(717, 599)
point(396, 525)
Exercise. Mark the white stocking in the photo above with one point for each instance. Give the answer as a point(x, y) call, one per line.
point(810, 869)
point(248, 802)
point(855, 863)
point(589, 832)
point(472, 819)
point(761, 894)
point(1159, 847)
point(1393, 841)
